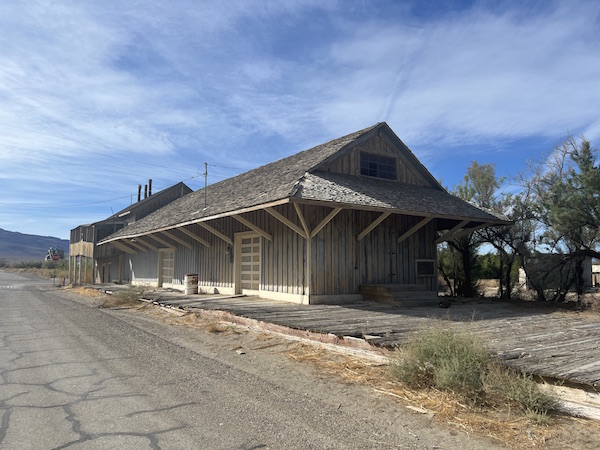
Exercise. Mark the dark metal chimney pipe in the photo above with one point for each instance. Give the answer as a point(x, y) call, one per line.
point(149, 187)
point(139, 192)
point(145, 191)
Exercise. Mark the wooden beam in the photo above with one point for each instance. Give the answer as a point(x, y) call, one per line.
point(161, 241)
point(325, 221)
point(471, 230)
point(302, 220)
point(449, 234)
point(373, 225)
point(286, 221)
point(216, 232)
point(195, 237)
point(133, 243)
point(146, 243)
point(253, 227)
point(308, 250)
point(124, 247)
point(415, 228)
point(170, 235)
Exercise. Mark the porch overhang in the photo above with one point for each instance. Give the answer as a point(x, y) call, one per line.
point(450, 226)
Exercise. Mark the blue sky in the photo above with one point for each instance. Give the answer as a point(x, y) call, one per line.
point(98, 97)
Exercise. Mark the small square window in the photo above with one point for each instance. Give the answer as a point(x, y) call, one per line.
point(377, 166)
point(425, 267)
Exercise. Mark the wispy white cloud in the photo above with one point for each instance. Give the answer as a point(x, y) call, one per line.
point(100, 96)
point(482, 74)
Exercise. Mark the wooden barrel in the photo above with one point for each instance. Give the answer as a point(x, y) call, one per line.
point(190, 282)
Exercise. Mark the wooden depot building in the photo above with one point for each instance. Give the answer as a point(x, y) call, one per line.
point(325, 225)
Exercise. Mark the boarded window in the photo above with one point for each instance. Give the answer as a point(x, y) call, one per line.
point(377, 166)
point(425, 267)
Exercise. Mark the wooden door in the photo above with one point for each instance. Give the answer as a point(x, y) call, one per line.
point(166, 267)
point(249, 261)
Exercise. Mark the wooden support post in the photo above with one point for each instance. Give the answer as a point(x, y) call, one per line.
point(448, 235)
point(195, 237)
point(216, 233)
point(139, 240)
point(121, 246)
point(308, 240)
point(325, 221)
point(169, 234)
point(135, 244)
point(286, 221)
point(470, 230)
point(302, 220)
point(162, 241)
point(373, 225)
point(253, 227)
point(414, 229)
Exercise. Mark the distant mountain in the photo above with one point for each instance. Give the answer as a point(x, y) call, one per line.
point(27, 247)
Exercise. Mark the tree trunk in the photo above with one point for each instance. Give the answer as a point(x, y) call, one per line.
point(468, 288)
point(579, 281)
point(509, 265)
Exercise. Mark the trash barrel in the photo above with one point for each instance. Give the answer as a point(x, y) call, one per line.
point(190, 282)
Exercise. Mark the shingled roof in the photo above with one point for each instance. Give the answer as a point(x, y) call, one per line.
point(383, 194)
point(298, 177)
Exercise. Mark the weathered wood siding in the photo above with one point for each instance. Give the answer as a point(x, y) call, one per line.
point(283, 264)
point(341, 263)
point(349, 162)
point(142, 268)
point(82, 248)
point(108, 270)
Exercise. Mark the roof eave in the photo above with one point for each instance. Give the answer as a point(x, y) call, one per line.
point(488, 221)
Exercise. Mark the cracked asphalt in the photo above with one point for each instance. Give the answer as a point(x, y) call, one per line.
point(77, 377)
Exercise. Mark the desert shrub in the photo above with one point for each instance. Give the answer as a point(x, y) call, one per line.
point(459, 362)
point(27, 265)
point(504, 384)
point(125, 297)
point(444, 359)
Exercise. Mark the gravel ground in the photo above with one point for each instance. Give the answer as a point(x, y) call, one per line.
point(73, 375)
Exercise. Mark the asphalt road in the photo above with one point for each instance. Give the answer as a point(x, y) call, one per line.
point(72, 376)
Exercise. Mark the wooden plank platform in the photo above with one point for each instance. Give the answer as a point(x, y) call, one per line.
point(559, 345)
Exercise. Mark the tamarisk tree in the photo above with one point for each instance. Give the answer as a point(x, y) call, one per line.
point(567, 190)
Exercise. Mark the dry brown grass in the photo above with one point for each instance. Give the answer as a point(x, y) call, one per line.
point(506, 425)
point(86, 292)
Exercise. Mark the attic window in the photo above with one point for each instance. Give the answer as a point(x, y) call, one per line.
point(377, 166)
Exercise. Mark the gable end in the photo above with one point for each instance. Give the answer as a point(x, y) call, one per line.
point(379, 155)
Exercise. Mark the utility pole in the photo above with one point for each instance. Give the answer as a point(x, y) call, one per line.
point(205, 181)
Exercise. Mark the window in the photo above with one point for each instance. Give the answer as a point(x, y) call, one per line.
point(425, 267)
point(377, 166)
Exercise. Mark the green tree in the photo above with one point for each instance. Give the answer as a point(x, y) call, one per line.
point(479, 186)
point(568, 194)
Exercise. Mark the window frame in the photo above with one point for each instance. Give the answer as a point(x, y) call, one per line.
point(378, 166)
point(418, 273)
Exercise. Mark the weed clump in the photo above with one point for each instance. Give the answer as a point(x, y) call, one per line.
point(460, 363)
point(506, 385)
point(444, 359)
point(125, 297)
